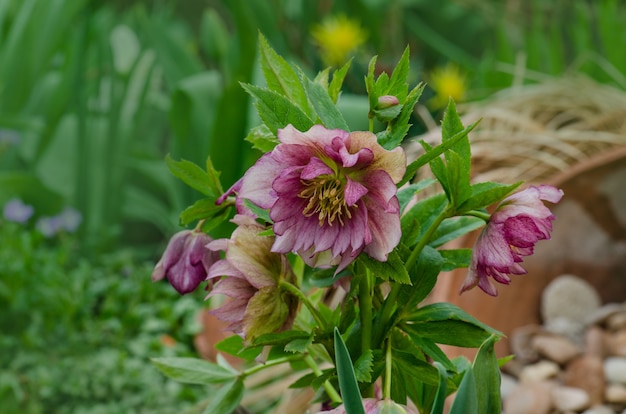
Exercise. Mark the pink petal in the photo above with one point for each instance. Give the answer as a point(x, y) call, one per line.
point(257, 182)
point(354, 191)
point(314, 169)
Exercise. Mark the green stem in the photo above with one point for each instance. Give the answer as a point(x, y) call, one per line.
point(330, 390)
point(480, 214)
point(371, 128)
point(365, 313)
point(304, 299)
point(387, 388)
point(272, 363)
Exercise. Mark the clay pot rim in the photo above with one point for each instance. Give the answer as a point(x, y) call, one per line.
point(598, 160)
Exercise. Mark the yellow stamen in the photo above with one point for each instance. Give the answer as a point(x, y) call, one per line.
point(325, 195)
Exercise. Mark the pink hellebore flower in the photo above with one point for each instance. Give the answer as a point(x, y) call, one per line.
point(331, 194)
point(251, 277)
point(186, 261)
point(517, 224)
point(374, 406)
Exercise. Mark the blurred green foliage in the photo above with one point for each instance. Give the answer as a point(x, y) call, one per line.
point(77, 335)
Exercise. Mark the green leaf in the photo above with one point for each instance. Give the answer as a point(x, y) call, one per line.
point(347, 380)
point(460, 158)
point(370, 83)
point(485, 194)
point(194, 176)
point(193, 370)
point(201, 209)
point(392, 269)
point(407, 193)
point(262, 213)
point(262, 138)
point(432, 350)
point(398, 85)
point(299, 345)
point(324, 106)
point(227, 399)
point(440, 397)
point(280, 76)
point(334, 89)
point(439, 170)
point(233, 345)
point(455, 258)
point(487, 375)
point(453, 228)
point(424, 212)
point(466, 398)
point(363, 367)
point(445, 323)
point(277, 111)
point(423, 277)
point(280, 338)
point(388, 114)
point(432, 153)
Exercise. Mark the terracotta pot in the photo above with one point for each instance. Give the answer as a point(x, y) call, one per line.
point(589, 241)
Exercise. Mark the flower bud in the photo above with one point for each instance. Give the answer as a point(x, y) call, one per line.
point(186, 261)
point(387, 101)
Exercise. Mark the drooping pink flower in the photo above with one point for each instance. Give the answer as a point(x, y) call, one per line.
point(520, 221)
point(186, 261)
point(331, 194)
point(375, 406)
point(250, 274)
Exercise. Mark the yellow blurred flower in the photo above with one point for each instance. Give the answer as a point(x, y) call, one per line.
point(448, 82)
point(337, 37)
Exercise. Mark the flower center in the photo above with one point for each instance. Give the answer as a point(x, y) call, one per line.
point(326, 199)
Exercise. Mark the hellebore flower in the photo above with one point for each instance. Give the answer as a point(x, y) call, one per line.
point(15, 210)
point(251, 279)
point(374, 406)
point(331, 194)
point(513, 229)
point(186, 261)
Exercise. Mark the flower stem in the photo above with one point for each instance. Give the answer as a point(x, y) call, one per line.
point(388, 361)
point(371, 128)
point(298, 293)
point(480, 214)
point(330, 390)
point(272, 363)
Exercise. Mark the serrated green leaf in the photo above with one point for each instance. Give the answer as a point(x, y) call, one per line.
point(424, 212)
point(439, 170)
point(324, 106)
point(233, 345)
point(299, 345)
point(280, 76)
point(433, 153)
point(392, 269)
point(485, 194)
point(445, 323)
point(432, 350)
point(453, 228)
point(334, 89)
point(423, 276)
point(201, 209)
point(411, 230)
point(193, 370)
point(458, 178)
point(487, 375)
point(388, 114)
point(406, 194)
point(194, 176)
point(455, 259)
point(227, 398)
point(276, 110)
point(280, 338)
point(262, 138)
point(370, 83)
point(398, 85)
point(459, 158)
point(363, 367)
point(347, 380)
point(304, 381)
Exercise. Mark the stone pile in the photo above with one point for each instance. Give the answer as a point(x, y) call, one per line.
point(575, 362)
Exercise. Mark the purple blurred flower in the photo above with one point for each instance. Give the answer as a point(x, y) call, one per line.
point(252, 274)
point(520, 221)
point(374, 406)
point(331, 195)
point(15, 210)
point(186, 261)
point(67, 220)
